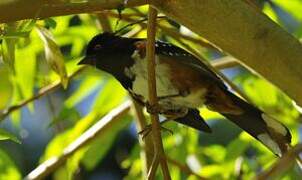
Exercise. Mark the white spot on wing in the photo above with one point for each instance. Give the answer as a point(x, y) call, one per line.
point(274, 124)
point(267, 141)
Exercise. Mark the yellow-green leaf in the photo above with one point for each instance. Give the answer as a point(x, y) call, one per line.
point(5, 135)
point(53, 55)
point(8, 169)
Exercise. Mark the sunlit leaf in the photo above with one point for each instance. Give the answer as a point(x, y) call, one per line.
point(24, 80)
point(110, 96)
point(26, 25)
point(61, 141)
point(5, 87)
point(8, 169)
point(99, 148)
point(53, 55)
point(86, 87)
point(292, 6)
point(8, 52)
point(5, 135)
point(57, 144)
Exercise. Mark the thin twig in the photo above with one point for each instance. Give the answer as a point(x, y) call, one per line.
point(100, 128)
point(172, 32)
point(238, 170)
point(104, 21)
point(283, 164)
point(43, 91)
point(184, 168)
point(156, 129)
point(225, 62)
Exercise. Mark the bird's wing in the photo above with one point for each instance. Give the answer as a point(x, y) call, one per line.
point(182, 56)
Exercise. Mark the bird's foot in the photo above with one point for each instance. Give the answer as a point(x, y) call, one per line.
point(154, 108)
point(146, 131)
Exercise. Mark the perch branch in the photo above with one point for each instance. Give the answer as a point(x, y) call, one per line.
point(156, 129)
point(100, 128)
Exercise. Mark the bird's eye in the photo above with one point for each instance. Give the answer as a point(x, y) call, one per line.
point(97, 47)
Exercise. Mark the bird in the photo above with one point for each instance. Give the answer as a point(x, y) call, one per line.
point(183, 84)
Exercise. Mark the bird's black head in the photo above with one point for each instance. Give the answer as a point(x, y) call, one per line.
point(109, 52)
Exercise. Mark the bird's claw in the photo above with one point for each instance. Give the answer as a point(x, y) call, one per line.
point(154, 108)
point(145, 132)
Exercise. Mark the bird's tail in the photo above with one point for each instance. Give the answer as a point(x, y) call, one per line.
point(266, 129)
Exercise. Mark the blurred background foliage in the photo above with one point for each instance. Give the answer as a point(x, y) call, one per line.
point(38, 59)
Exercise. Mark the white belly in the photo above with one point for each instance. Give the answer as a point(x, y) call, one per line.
point(164, 86)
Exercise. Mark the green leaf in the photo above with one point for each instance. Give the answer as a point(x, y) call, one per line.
point(5, 87)
point(53, 55)
point(26, 25)
point(25, 78)
point(8, 53)
point(87, 86)
point(66, 113)
point(50, 22)
point(8, 169)
point(5, 135)
point(99, 148)
point(57, 144)
point(235, 149)
point(61, 141)
point(110, 96)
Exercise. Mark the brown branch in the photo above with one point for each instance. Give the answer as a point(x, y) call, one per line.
point(33, 9)
point(99, 129)
point(156, 129)
point(43, 91)
point(184, 168)
point(283, 164)
point(104, 21)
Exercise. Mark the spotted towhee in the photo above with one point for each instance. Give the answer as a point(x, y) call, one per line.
point(184, 83)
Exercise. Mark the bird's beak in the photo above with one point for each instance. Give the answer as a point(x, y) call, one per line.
point(87, 60)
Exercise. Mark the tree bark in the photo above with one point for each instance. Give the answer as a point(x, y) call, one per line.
point(38, 9)
point(247, 34)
